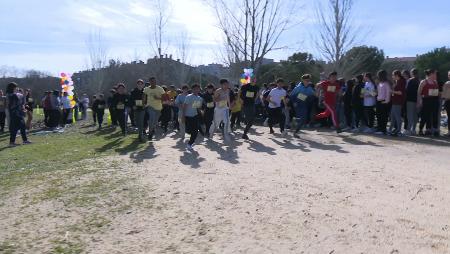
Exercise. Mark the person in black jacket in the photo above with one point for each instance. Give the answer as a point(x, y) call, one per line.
point(98, 107)
point(121, 103)
point(112, 110)
point(16, 109)
point(208, 107)
point(138, 108)
point(248, 95)
point(412, 86)
point(358, 102)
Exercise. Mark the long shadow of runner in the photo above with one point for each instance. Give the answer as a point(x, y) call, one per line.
point(228, 154)
point(317, 145)
point(255, 146)
point(287, 144)
point(111, 145)
point(440, 141)
point(191, 159)
point(145, 154)
point(133, 146)
point(357, 142)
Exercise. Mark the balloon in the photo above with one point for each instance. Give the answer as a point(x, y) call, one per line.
point(71, 97)
point(63, 74)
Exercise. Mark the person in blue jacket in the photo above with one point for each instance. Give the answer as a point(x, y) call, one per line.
point(301, 96)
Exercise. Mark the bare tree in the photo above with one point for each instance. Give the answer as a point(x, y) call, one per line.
point(98, 56)
point(183, 51)
point(158, 40)
point(252, 28)
point(337, 33)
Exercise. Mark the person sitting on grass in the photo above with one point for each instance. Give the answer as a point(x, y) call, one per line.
point(16, 108)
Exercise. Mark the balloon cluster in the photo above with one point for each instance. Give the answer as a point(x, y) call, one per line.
point(67, 86)
point(247, 76)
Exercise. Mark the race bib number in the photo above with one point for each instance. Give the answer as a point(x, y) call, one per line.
point(101, 106)
point(139, 103)
point(30, 100)
point(331, 89)
point(120, 106)
point(210, 105)
point(301, 97)
point(197, 104)
point(250, 94)
point(222, 104)
point(433, 92)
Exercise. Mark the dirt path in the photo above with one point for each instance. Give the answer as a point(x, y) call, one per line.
point(318, 194)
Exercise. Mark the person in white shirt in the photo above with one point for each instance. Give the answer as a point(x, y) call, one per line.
point(222, 109)
point(276, 97)
point(67, 108)
point(369, 93)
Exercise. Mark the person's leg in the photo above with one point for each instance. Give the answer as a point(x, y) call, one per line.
point(447, 109)
point(94, 116)
point(281, 119)
point(436, 111)
point(271, 120)
point(13, 128)
point(239, 119)
point(2, 121)
point(249, 112)
point(332, 112)
point(233, 119)
point(399, 118)
point(209, 117)
point(100, 116)
point(132, 117)
point(23, 131)
point(194, 125)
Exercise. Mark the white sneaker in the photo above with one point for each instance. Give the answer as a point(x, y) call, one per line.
point(189, 147)
point(284, 133)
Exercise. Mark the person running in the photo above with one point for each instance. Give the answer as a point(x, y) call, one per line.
point(301, 97)
point(222, 109)
point(179, 102)
point(208, 108)
point(276, 97)
point(191, 118)
point(99, 106)
point(398, 100)
point(16, 108)
point(411, 101)
point(358, 103)
point(330, 89)
point(153, 102)
point(446, 98)
point(236, 111)
point(428, 100)
point(112, 110)
point(383, 102)
point(248, 96)
point(121, 102)
point(137, 102)
point(2, 111)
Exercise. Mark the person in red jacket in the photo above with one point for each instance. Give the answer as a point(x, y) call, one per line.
point(331, 89)
point(398, 100)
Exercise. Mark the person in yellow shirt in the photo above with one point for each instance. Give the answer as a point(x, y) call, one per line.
point(153, 102)
point(236, 108)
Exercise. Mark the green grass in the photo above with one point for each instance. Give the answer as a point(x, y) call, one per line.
point(60, 151)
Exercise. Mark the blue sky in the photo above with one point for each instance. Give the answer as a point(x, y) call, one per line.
point(50, 35)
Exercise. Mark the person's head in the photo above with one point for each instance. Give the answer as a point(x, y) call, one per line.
point(341, 81)
point(121, 88)
point(397, 75)
point(406, 74)
point(350, 83)
point(112, 91)
point(195, 88)
point(272, 85)
point(49, 93)
point(164, 88)
point(152, 81)
point(101, 96)
point(94, 97)
point(431, 74)
point(415, 73)
point(280, 83)
point(185, 89)
point(332, 76)
point(11, 88)
point(306, 79)
point(172, 88)
point(382, 76)
point(140, 84)
point(55, 93)
point(27, 92)
point(65, 94)
point(359, 78)
point(224, 83)
point(20, 90)
point(210, 88)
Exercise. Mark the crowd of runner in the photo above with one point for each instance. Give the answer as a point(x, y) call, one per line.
point(364, 104)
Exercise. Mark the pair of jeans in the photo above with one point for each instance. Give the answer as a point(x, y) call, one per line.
point(153, 117)
point(396, 118)
point(412, 116)
point(221, 115)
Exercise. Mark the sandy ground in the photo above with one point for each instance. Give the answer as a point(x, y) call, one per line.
point(321, 193)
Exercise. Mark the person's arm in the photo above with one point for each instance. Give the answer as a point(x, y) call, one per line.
point(144, 98)
point(183, 110)
point(419, 93)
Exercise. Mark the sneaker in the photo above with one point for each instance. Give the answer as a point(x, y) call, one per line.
point(338, 130)
point(245, 136)
point(12, 145)
point(271, 131)
point(347, 129)
point(189, 147)
point(27, 142)
point(379, 133)
point(150, 135)
point(284, 133)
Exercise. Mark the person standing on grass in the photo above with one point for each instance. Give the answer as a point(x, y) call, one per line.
point(222, 109)
point(29, 106)
point(55, 114)
point(428, 100)
point(16, 108)
point(94, 113)
point(383, 102)
point(121, 103)
point(276, 97)
point(208, 108)
point(112, 110)
point(153, 102)
point(2, 111)
point(67, 109)
point(137, 102)
point(47, 107)
point(301, 96)
point(330, 89)
point(85, 103)
point(398, 100)
point(411, 101)
point(446, 98)
point(99, 106)
point(191, 117)
point(248, 95)
point(179, 102)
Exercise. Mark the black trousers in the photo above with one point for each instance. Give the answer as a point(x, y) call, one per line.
point(54, 118)
point(113, 113)
point(192, 127)
point(208, 118)
point(383, 111)
point(369, 116)
point(276, 116)
point(235, 119)
point(249, 117)
point(166, 113)
point(100, 115)
point(47, 117)
point(131, 115)
point(94, 116)
point(2, 121)
point(359, 115)
point(348, 112)
point(120, 115)
point(65, 116)
point(430, 114)
point(17, 123)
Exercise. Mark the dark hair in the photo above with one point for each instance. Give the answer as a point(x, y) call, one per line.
point(272, 84)
point(164, 88)
point(415, 72)
point(210, 86)
point(429, 72)
point(55, 92)
point(140, 81)
point(359, 78)
point(151, 78)
point(406, 72)
point(223, 81)
point(382, 76)
point(333, 73)
point(397, 73)
point(195, 86)
point(10, 87)
point(350, 83)
point(280, 80)
point(184, 87)
point(121, 85)
point(306, 76)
